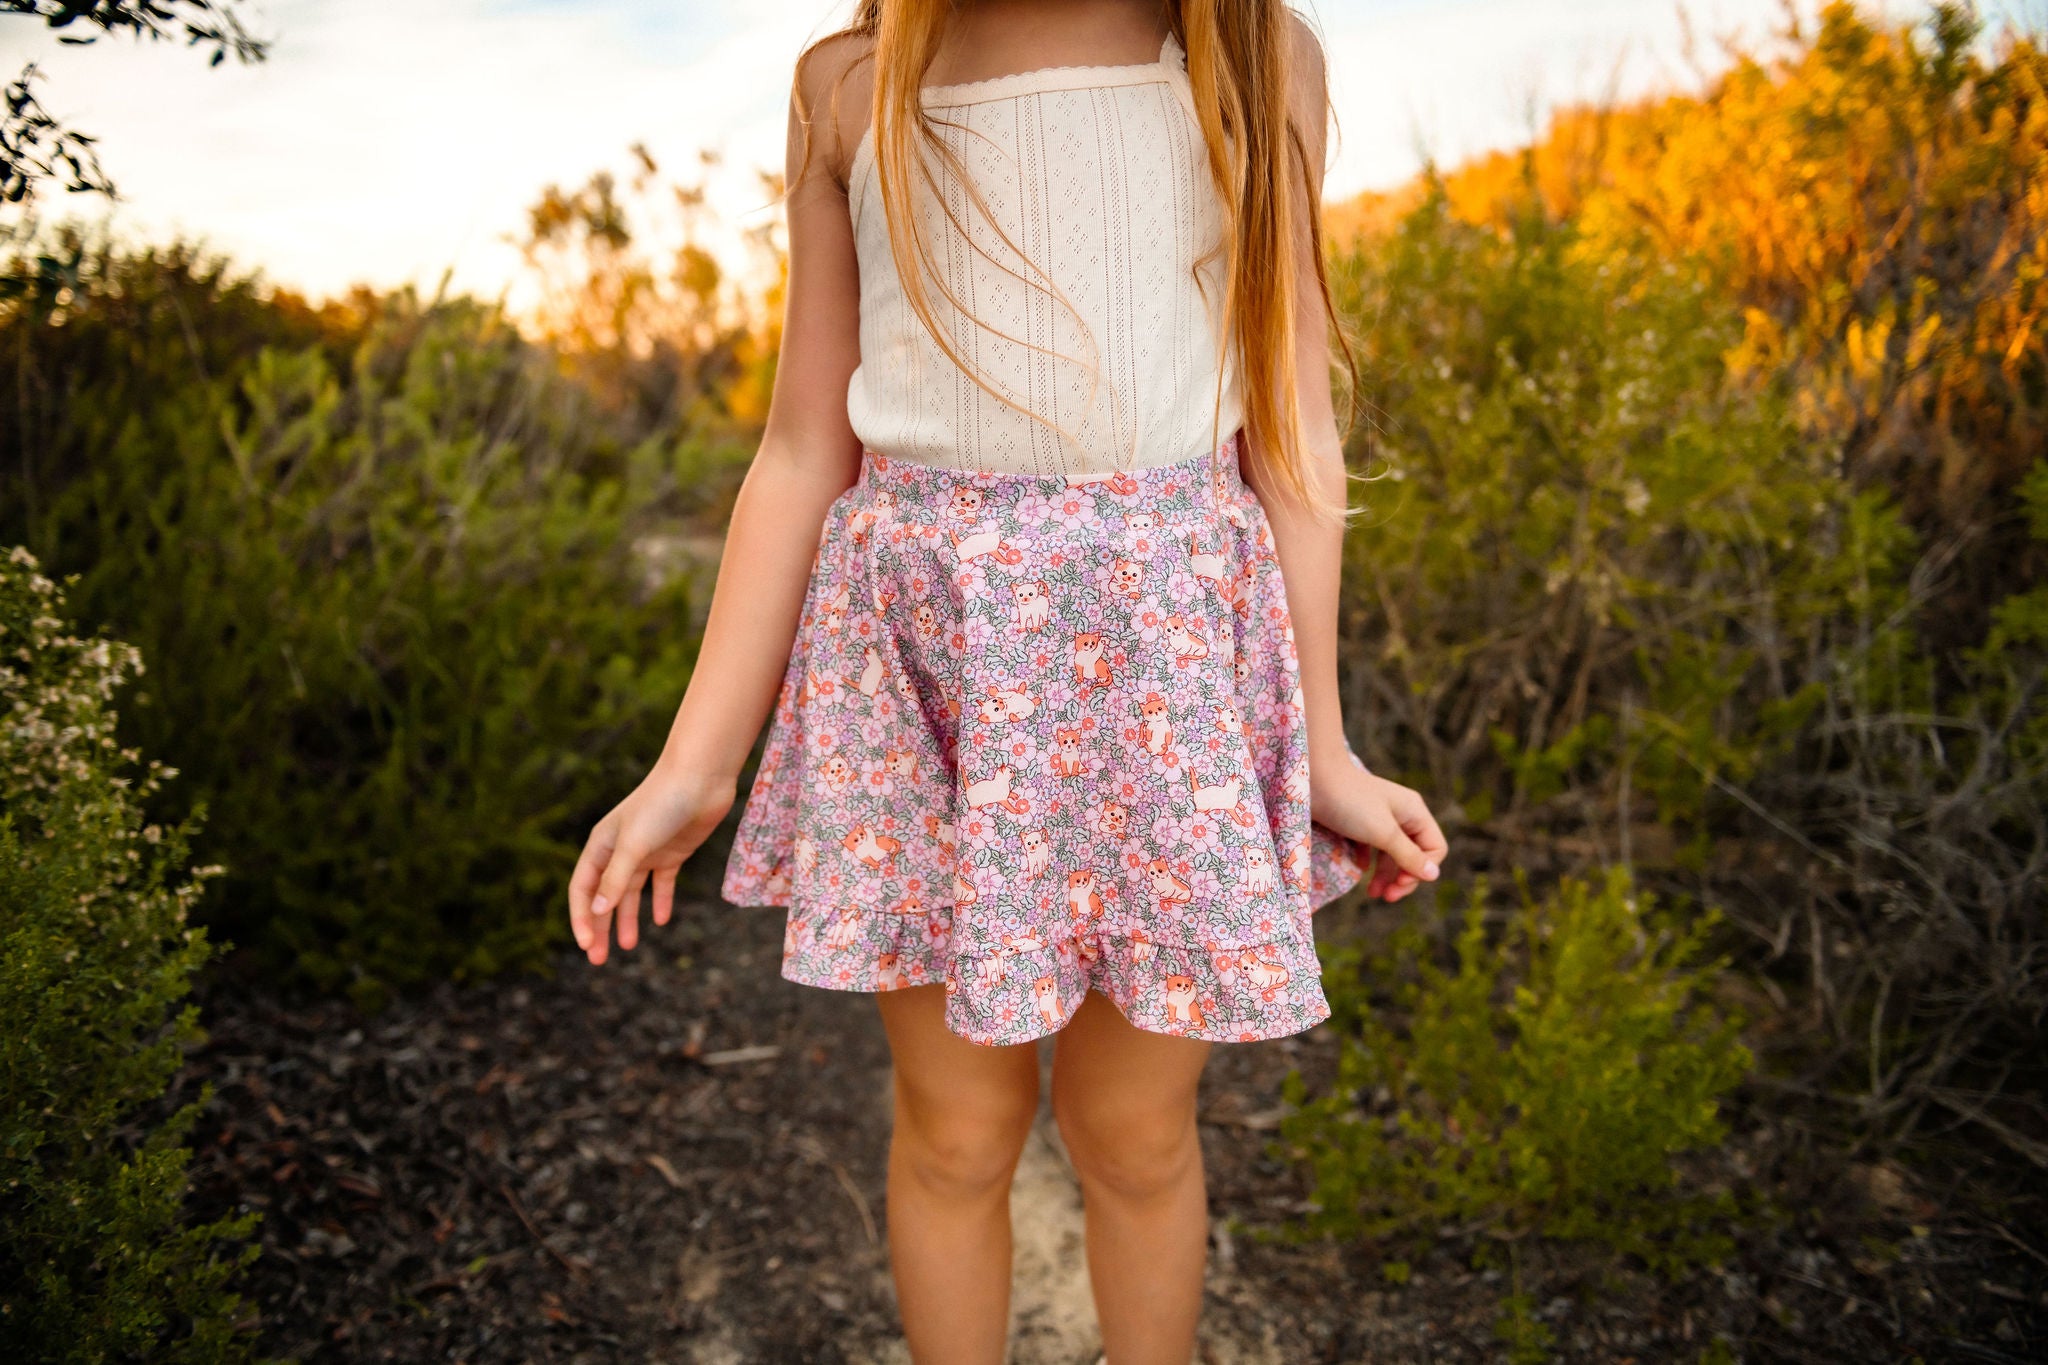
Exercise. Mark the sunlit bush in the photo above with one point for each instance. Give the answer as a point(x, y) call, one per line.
point(1592, 564)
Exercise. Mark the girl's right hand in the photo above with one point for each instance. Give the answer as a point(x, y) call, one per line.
point(649, 834)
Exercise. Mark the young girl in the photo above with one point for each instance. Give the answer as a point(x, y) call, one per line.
point(1037, 566)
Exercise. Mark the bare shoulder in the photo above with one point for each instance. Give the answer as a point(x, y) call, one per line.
point(833, 89)
point(1307, 74)
point(1308, 88)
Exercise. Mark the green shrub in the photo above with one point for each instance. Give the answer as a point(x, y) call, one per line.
point(1592, 563)
point(96, 1263)
point(1542, 1086)
point(404, 632)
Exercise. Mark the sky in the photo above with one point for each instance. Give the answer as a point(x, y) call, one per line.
point(387, 141)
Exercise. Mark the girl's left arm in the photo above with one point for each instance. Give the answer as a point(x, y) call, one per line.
point(1344, 796)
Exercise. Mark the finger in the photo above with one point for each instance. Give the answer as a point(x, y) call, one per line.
point(629, 916)
point(583, 882)
point(611, 894)
point(664, 895)
point(1422, 828)
point(1410, 857)
point(622, 872)
point(1382, 875)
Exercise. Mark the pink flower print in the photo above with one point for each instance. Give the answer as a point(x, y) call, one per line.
point(1166, 830)
point(1076, 511)
point(980, 634)
point(874, 777)
point(957, 640)
point(1150, 619)
point(1024, 754)
point(1201, 832)
point(872, 731)
point(865, 627)
point(1041, 660)
point(1034, 510)
point(1204, 884)
point(1181, 585)
point(1008, 1014)
point(1055, 559)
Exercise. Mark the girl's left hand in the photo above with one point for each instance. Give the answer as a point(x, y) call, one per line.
point(1347, 799)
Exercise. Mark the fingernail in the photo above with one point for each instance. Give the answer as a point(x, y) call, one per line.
point(600, 905)
point(1429, 869)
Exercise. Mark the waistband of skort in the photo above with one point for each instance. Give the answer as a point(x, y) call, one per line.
point(1212, 482)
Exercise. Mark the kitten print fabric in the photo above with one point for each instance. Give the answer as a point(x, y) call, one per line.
point(1038, 736)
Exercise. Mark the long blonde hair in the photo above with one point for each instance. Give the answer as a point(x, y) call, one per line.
point(1238, 65)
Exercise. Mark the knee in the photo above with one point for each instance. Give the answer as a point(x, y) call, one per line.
point(1131, 1155)
point(963, 1151)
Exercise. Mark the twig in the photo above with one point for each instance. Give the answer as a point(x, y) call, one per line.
point(860, 1202)
point(2036, 1152)
point(2007, 1233)
point(545, 1244)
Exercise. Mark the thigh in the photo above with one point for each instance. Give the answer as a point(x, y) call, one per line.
point(1108, 1075)
point(942, 1079)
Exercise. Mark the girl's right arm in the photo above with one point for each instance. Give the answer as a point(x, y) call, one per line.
point(808, 456)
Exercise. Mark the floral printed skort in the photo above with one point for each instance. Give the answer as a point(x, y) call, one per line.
point(1040, 735)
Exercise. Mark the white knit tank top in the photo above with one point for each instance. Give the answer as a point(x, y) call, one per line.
point(1099, 176)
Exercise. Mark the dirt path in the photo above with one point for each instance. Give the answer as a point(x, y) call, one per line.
point(681, 1157)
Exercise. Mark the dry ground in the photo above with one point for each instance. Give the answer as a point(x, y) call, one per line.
point(680, 1158)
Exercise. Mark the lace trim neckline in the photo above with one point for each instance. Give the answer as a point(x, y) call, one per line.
point(1169, 62)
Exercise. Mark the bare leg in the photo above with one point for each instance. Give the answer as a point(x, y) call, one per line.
point(1125, 1102)
point(962, 1114)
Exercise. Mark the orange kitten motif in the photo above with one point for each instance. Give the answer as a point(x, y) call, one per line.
point(1264, 972)
point(1091, 670)
point(1183, 1001)
point(1169, 888)
point(1157, 724)
point(1067, 760)
point(1047, 992)
point(874, 850)
point(1127, 576)
point(1084, 902)
point(1184, 638)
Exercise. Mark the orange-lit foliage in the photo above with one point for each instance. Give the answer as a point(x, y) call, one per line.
point(667, 329)
point(1876, 199)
